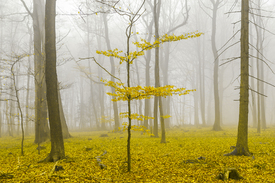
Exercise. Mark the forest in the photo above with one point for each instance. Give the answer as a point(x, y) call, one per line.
point(137, 91)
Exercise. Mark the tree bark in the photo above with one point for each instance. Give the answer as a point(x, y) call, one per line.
point(217, 126)
point(157, 84)
point(242, 138)
point(252, 83)
point(65, 130)
point(147, 108)
point(57, 144)
point(116, 118)
point(41, 122)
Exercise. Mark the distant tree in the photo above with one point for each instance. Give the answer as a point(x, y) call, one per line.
point(157, 5)
point(216, 5)
point(108, 43)
point(149, 27)
point(57, 144)
point(42, 132)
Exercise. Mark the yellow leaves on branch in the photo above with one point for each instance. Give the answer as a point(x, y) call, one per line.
point(145, 45)
point(135, 128)
point(106, 119)
point(145, 92)
point(134, 116)
point(115, 53)
point(166, 116)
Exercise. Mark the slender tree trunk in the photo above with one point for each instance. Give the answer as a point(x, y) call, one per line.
point(201, 82)
point(261, 66)
point(41, 122)
point(242, 138)
point(196, 99)
point(116, 118)
point(57, 144)
point(15, 84)
point(11, 112)
point(1, 48)
point(217, 122)
point(163, 137)
point(166, 101)
point(8, 119)
point(65, 130)
point(157, 84)
point(252, 83)
point(28, 84)
point(147, 108)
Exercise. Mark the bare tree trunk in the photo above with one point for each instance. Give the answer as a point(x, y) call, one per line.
point(65, 130)
point(261, 66)
point(163, 136)
point(94, 110)
point(81, 106)
point(116, 118)
point(242, 138)
point(41, 122)
point(165, 65)
point(8, 119)
point(157, 84)
point(1, 48)
point(196, 99)
point(57, 144)
point(252, 83)
point(28, 83)
point(147, 108)
point(11, 112)
point(217, 122)
point(201, 83)
point(15, 79)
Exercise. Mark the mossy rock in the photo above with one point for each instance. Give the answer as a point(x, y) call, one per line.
point(229, 173)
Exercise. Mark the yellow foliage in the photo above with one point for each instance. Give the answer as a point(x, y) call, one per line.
point(134, 116)
point(106, 119)
point(145, 92)
point(151, 160)
point(145, 45)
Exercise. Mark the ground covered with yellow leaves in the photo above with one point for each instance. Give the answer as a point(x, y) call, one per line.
point(190, 155)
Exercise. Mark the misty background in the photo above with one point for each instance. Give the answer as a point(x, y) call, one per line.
point(187, 63)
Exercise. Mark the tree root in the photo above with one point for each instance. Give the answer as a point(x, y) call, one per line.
point(237, 152)
point(51, 158)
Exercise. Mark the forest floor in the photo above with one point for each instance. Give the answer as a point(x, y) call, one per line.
point(175, 161)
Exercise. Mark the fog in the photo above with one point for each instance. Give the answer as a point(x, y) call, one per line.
point(137, 90)
point(188, 63)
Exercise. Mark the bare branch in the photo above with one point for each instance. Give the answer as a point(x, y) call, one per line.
point(226, 49)
point(262, 28)
point(24, 4)
point(262, 80)
point(184, 21)
point(232, 59)
point(264, 62)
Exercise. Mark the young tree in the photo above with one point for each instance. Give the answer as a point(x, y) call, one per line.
point(128, 93)
point(57, 144)
point(242, 139)
point(18, 102)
